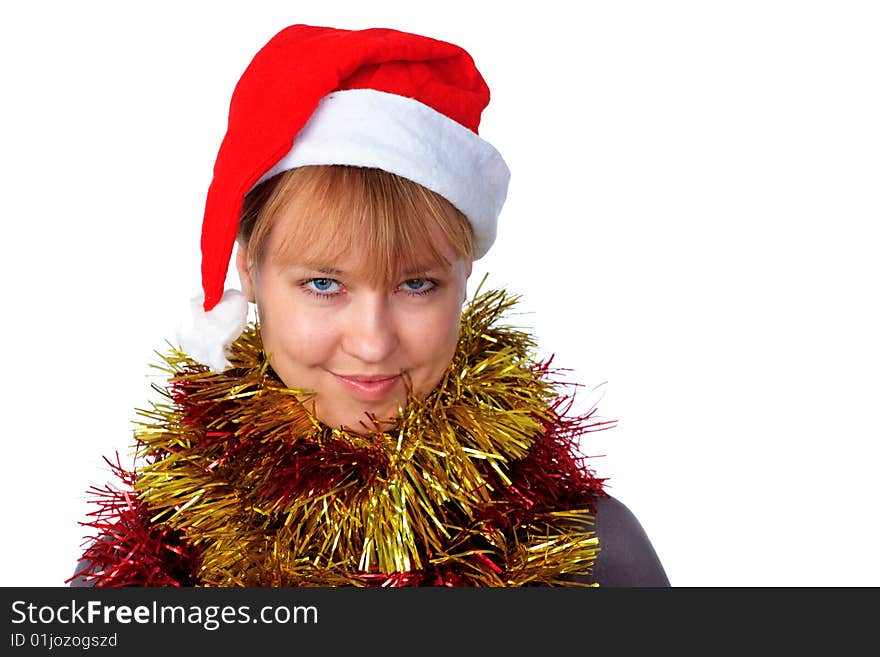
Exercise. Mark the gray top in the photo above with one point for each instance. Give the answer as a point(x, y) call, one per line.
point(626, 557)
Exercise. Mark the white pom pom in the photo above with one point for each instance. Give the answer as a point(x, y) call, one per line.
point(206, 336)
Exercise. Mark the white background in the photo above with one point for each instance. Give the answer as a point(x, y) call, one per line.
point(692, 219)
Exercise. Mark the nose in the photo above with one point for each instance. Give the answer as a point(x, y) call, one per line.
point(371, 335)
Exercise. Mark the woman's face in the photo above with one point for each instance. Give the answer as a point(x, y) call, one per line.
point(326, 329)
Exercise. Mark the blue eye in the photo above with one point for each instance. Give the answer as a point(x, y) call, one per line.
point(322, 287)
point(322, 284)
point(418, 285)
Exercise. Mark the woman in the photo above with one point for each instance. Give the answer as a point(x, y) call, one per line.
point(371, 429)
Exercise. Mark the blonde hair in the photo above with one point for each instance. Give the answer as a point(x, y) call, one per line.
point(401, 224)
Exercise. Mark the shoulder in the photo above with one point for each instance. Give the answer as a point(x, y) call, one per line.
point(626, 557)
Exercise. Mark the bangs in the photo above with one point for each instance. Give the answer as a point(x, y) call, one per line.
point(319, 213)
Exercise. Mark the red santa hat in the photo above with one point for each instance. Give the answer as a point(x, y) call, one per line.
point(382, 98)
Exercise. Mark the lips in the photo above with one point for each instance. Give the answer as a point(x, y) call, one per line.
point(367, 379)
point(368, 387)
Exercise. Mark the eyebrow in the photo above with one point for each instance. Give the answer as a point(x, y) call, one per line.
point(327, 270)
point(333, 271)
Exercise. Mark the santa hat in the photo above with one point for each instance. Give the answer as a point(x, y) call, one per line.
point(382, 98)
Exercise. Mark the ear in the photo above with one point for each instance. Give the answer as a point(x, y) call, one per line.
point(243, 265)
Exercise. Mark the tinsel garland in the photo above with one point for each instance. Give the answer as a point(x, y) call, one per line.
point(481, 483)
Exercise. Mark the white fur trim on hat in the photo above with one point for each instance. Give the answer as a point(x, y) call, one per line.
point(206, 336)
point(369, 128)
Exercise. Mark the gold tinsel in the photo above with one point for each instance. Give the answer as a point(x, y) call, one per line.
point(270, 496)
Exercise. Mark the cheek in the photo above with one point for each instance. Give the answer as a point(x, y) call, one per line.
point(292, 332)
point(434, 336)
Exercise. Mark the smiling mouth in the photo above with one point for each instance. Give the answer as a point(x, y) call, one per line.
point(367, 379)
point(368, 388)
